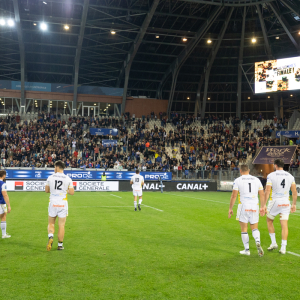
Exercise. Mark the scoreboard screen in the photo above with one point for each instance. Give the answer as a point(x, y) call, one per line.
point(277, 75)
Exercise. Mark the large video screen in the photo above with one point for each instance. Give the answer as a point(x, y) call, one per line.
point(277, 75)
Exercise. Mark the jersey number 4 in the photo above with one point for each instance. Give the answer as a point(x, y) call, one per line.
point(283, 183)
point(58, 185)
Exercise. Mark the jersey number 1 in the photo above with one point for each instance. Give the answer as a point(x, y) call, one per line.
point(58, 185)
point(249, 187)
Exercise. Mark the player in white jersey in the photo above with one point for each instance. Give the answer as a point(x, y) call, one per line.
point(247, 187)
point(137, 182)
point(58, 185)
point(279, 184)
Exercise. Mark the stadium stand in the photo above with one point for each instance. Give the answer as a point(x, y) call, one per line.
point(187, 146)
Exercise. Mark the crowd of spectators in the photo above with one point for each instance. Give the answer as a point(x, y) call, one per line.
point(187, 146)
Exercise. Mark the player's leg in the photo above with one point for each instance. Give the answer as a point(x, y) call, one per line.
point(61, 232)
point(51, 226)
point(256, 236)
point(284, 233)
point(271, 229)
point(140, 200)
point(272, 212)
point(245, 238)
point(3, 214)
point(135, 200)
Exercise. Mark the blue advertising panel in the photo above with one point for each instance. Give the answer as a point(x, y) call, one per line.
point(32, 86)
point(289, 133)
point(103, 131)
point(85, 174)
point(106, 143)
point(267, 154)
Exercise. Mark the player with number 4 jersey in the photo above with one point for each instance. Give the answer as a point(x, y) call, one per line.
point(247, 188)
point(59, 186)
point(279, 184)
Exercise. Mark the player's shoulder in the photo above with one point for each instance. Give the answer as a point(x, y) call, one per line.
point(272, 174)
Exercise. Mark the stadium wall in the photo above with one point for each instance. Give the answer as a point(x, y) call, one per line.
point(61, 96)
point(142, 106)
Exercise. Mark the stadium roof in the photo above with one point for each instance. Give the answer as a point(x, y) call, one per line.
point(143, 41)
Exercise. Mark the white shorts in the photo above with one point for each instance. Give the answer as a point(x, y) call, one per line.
point(3, 209)
point(58, 209)
point(248, 213)
point(137, 193)
point(278, 207)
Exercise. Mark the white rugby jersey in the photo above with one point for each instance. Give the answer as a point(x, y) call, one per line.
point(59, 184)
point(248, 187)
point(280, 182)
point(137, 180)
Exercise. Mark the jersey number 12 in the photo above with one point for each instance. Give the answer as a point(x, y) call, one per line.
point(58, 185)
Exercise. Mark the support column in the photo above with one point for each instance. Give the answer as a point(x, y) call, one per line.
point(198, 97)
point(276, 105)
point(78, 53)
point(212, 57)
point(172, 91)
point(281, 107)
point(240, 73)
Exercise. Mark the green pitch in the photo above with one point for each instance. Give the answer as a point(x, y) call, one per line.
point(182, 246)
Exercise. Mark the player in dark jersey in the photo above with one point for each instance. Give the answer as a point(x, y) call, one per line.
point(4, 204)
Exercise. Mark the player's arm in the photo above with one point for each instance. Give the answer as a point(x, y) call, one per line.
point(263, 201)
point(268, 189)
point(142, 182)
point(6, 199)
point(71, 188)
point(294, 195)
point(47, 188)
point(232, 201)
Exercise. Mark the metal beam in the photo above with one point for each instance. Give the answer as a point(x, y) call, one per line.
point(284, 25)
point(292, 6)
point(133, 50)
point(264, 31)
point(22, 53)
point(233, 3)
point(181, 58)
point(78, 52)
point(211, 59)
point(240, 72)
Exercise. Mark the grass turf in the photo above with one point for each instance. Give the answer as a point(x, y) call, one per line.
point(188, 250)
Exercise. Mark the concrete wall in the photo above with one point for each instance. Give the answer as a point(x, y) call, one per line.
point(60, 96)
point(140, 106)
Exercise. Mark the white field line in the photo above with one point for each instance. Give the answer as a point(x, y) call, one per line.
point(116, 196)
point(152, 207)
point(293, 253)
point(104, 206)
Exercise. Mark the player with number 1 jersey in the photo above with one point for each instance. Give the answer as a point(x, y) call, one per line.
point(247, 188)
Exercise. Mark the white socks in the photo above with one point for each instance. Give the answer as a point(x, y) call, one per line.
point(50, 235)
point(140, 201)
point(283, 244)
point(273, 239)
point(135, 204)
point(256, 235)
point(245, 239)
point(3, 227)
